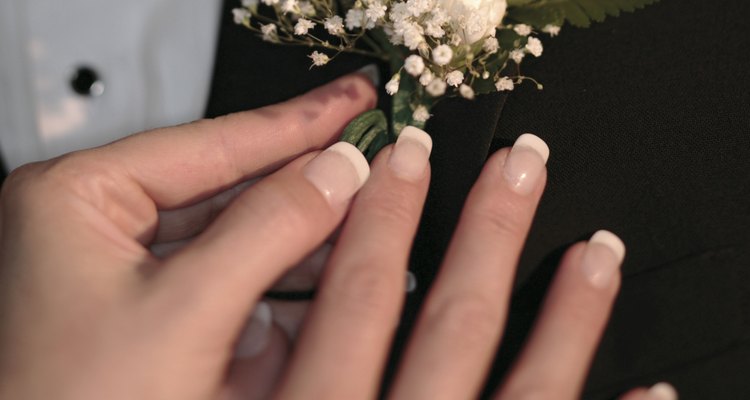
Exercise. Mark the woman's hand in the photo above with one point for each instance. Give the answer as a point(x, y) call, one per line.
point(129, 271)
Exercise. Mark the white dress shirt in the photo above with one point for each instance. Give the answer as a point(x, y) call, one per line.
point(81, 73)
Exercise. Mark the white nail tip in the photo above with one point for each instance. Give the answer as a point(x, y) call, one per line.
point(372, 72)
point(255, 336)
point(417, 135)
point(610, 240)
point(535, 143)
point(411, 282)
point(355, 157)
point(662, 391)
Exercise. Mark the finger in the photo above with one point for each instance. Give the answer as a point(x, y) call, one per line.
point(266, 230)
point(557, 356)
point(460, 324)
point(344, 342)
point(634, 394)
point(259, 353)
point(305, 275)
point(180, 165)
point(289, 315)
point(660, 391)
point(184, 223)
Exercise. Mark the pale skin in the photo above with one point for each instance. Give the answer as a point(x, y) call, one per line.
point(89, 312)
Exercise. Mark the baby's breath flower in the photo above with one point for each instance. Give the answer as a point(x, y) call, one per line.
point(288, 6)
point(490, 45)
point(534, 46)
point(270, 2)
point(413, 36)
point(421, 114)
point(250, 3)
point(504, 83)
point(454, 78)
point(442, 54)
point(466, 91)
point(486, 75)
point(392, 86)
point(240, 15)
point(334, 25)
point(319, 58)
point(375, 11)
point(426, 77)
point(302, 26)
point(414, 65)
point(455, 39)
point(269, 32)
point(354, 18)
point(522, 29)
point(553, 30)
point(517, 55)
point(306, 8)
point(436, 87)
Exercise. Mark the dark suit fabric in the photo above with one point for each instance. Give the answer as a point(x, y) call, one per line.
point(648, 120)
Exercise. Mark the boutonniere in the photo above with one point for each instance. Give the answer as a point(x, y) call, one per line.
point(435, 48)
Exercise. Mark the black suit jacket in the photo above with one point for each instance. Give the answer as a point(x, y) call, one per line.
point(648, 120)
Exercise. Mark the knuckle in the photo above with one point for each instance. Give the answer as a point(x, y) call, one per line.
point(474, 319)
point(392, 208)
point(364, 291)
point(284, 208)
point(529, 391)
point(498, 218)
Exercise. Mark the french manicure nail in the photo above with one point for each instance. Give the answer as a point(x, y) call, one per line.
point(372, 73)
point(411, 282)
point(338, 172)
point(525, 163)
point(411, 154)
point(257, 332)
point(602, 258)
point(661, 391)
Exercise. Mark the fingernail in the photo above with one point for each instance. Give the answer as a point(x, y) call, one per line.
point(372, 73)
point(525, 163)
point(338, 172)
point(661, 391)
point(602, 258)
point(255, 336)
point(411, 154)
point(411, 282)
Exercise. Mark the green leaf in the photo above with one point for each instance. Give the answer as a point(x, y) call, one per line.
point(539, 15)
point(516, 3)
point(579, 13)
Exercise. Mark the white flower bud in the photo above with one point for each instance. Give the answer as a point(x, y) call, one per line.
point(319, 58)
point(522, 29)
point(302, 26)
point(491, 45)
point(421, 114)
point(517, 55)
point(534, 46)
point(454, 78)
point(426, 77)
point(269, 32)
point(466, 91)
point(334, 25)
point(436, 87)
point(392, 86)
point(553, 30)
point(504, 83)
point(414, 65)
point(442, 54)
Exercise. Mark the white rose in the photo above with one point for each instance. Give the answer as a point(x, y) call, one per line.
point(474, 20)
